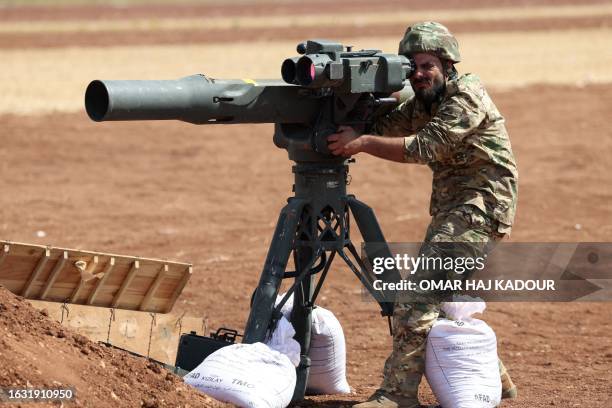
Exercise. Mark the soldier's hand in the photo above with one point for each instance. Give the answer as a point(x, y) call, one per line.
point(345, 142)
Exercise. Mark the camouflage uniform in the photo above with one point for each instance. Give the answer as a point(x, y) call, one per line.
point(462, 138)
point(464, 141)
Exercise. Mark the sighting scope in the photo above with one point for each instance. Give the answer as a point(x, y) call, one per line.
point(326, 64)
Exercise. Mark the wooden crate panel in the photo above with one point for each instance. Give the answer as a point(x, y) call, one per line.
point(91, 278)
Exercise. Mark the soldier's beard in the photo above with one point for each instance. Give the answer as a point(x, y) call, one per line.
point(431, 94)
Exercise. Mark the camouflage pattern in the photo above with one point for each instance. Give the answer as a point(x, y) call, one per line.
point(464, 141)
point(406, 364)
point(412, 321)
point(464, 224)
point(430, 37)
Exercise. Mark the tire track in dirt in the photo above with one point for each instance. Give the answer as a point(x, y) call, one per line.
point(348, 19)
point(186, 36)
point(120, 12)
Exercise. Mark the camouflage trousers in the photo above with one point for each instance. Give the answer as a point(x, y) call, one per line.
point(475, 234)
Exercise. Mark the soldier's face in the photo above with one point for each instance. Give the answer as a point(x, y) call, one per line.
point(428, 78)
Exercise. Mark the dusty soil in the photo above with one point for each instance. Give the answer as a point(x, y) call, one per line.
point(38, 352)
point(188, 24)
point(210, 195)
point(206, 36)
point(254, 8)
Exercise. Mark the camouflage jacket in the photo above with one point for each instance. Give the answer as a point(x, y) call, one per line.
point(464, 141)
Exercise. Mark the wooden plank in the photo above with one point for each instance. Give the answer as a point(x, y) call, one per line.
point(94, 293)
point(151, 292)
point(26, 272)
point(5, 252)
point(85, 274)
point(126, 282)
point(39, 267)
point(179, 289)
point(54, 274)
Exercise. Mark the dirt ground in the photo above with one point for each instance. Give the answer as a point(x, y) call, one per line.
point(210, 195)
point(38, 352)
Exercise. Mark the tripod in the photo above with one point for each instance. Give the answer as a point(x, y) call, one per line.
point(314, 226)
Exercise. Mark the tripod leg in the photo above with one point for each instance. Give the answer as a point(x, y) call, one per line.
point(357, 269)
point(281, 246)
point(301, 318)
point(372, 234)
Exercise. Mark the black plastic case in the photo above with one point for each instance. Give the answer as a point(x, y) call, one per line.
point(193, 349)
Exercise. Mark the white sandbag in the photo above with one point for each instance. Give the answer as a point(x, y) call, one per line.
point(287, 307)
point(282, 341)
point(327, 355)
point(463, 307)
point(327, 352)
point(247, 375)
point(461, 363)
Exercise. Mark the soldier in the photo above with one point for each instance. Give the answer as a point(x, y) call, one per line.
point(451, 125)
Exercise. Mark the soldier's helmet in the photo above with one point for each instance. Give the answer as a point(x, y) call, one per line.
point(430, 37)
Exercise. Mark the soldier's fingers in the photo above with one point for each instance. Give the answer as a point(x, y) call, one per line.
point(339, 150)
point(333, 147)
point(333, 138)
